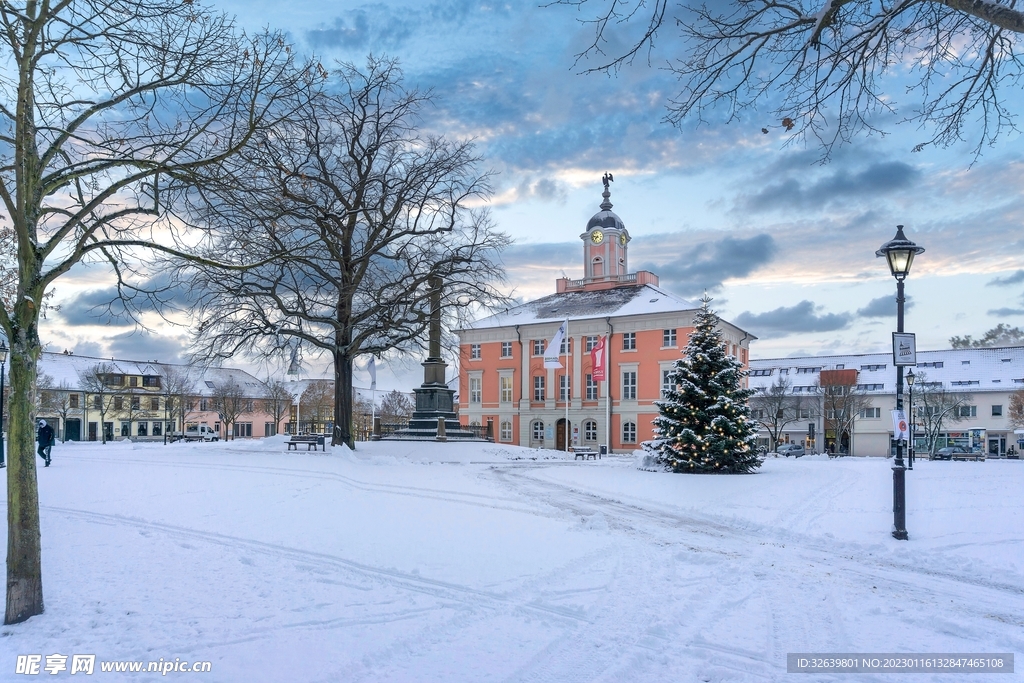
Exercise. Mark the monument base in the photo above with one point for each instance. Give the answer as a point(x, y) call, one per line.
point(434, 401)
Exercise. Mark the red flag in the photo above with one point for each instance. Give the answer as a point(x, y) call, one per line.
point(597, 359)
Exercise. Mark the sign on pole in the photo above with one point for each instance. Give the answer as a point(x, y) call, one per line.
point(900, 428)
point(904, 348)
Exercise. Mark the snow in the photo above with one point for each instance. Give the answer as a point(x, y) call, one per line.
point(417, 561)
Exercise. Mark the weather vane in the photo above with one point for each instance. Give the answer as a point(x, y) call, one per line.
point(607, 179)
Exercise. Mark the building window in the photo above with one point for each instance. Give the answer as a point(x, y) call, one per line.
point(565, 347)
point(807, 371)
point(668, 338)
point(143, 429)
point(872, 367)
point(158, 429)
point(538, 430)
point(538, 388)
point(269, 429)
point(154, 403)
point(564, 390)
point(629, 385)
point(506, 389)
point(151, 381)
point(475, 390)
point(590, 431)
point(119, 403)
point(757, 413)
point(870, 387)
point(629, 432)
point(506, 349)
point(136, 403)
point(126, 428)
point(871, 413)
point(73, 400)
point(204, 404)
point(538, 347)
point(666, 382)
point(762, 373)
point(968, 411)
point(591, 388)
point(242, 429)
point(505, 432)
point(629, 341)
point(474, 352)
point(133, 381)
point(997, 411)
point(591, 343)
point(803, 413)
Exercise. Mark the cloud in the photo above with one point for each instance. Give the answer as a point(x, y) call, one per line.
point(706, 265)
point(1014, 279)
point(385, 26)
point(95, 307)
point(142, 346)
point(1004, 312)
point(557, 254)
point(879, 178)
point(883, 307)
point(792, 319)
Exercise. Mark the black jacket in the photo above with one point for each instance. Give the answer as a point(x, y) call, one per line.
point(45, 436)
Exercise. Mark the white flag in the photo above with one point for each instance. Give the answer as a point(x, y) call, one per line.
point(373, 372)
point(551, 353)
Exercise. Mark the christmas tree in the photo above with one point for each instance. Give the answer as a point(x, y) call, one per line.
point(704, 424)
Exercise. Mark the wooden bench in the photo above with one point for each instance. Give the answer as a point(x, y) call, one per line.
point(311, 441)
point(585, 452)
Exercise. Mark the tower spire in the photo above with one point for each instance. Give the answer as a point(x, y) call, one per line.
point(606, 205)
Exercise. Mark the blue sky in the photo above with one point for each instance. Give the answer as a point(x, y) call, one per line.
point(783, 243)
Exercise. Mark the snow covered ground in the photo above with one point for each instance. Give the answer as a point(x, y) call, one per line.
point(478, 562)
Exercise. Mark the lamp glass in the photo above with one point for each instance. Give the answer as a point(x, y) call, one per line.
point(911, 377)
point(3, 353)
point(900, 261)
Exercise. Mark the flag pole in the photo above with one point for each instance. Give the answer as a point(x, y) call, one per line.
point(568, 427)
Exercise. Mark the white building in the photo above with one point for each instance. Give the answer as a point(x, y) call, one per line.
point(989, 375)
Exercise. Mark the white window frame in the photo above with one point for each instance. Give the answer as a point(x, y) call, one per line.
point(537, 430)
point(505, 430)
point(506, 349)
point(474, 352)
point(629, 341)
point(592, 391)
point(629, 432)
point(629, 382)
point(668, 338)
point(506, 388)
point(590, 431)
point(476, 390)
point(539, 393)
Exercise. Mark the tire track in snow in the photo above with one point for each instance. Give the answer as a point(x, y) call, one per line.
point(439, 589)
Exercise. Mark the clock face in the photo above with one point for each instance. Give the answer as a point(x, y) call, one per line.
point(597, 237)
point(623, 238)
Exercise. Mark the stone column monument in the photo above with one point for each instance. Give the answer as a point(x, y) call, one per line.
point(434, 400)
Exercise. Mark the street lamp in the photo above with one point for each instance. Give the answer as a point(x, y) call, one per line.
point(910, 387)
point(3, 368)
point(899, 253)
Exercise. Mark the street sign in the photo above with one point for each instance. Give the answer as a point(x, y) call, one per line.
point(904, 348)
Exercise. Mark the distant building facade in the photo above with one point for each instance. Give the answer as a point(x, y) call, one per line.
point(988, 376)
point(502, 378)
point(96, 399)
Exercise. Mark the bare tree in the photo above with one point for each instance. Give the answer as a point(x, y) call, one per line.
point(1000, 335)
point(937, 407)
point(829, 68)
point(179, 390)
point(106, 108)
point(1015, 411)
point(776, 406)
point(365, 212)
point(230, 400)
point(98, 395)
point(841, 405)
point(55, 399)
point(395, 407)
point(277, 401)
point(318, 402)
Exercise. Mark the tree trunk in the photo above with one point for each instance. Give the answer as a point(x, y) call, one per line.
point(24, 567)
point(343, 401)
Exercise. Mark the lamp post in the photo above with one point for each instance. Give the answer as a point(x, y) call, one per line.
point(3, 368)
point(910, 389)
point(899, 253)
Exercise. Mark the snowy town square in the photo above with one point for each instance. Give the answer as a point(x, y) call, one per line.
point(407, 561)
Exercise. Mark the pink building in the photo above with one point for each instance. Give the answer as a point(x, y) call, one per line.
point(502, 378)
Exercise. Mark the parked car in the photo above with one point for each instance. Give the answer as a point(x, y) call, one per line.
point(949, 452)
point(788, 449)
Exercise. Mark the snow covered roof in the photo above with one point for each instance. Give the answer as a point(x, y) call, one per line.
point(995, 369)
point(621, 301)
point(66, 369)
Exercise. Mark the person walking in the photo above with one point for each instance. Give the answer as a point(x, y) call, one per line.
point(45, 438)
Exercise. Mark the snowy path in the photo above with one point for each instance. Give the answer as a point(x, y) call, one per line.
point(280, 567)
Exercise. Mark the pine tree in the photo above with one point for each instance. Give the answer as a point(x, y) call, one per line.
point(704, 424)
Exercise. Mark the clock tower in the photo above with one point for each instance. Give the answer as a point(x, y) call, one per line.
point(604, 242)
